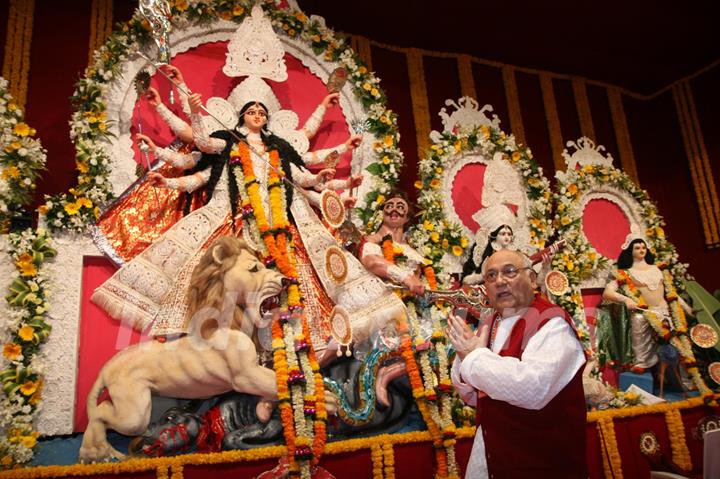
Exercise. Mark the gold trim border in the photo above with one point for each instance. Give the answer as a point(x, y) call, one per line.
point(16, 62)
point(622, 134)
point(553, 121)
point(419, 98)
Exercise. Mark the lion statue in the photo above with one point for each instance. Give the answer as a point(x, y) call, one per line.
point(229, 294)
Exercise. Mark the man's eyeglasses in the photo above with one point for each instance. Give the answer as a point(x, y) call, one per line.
point(509, 271)
point(259, 113)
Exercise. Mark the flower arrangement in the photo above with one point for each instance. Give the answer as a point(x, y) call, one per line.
point(435, 236)
point(90, 126)
point(22, 159)
point(579, 260)
point(23, 333)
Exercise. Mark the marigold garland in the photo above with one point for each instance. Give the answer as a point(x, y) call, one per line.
point(678, 444)
point(376, 456)
point(389, 460)
point(300, 384)
point(612, 464)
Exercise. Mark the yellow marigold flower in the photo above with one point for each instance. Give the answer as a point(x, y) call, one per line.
point(375, 92)
point(570, 265)
point(84, 202)
point(419, 184)
point(292, 32)
point(301, 16)
point(445, 244)
point(386, 160)
point(21, 129)
point(81, 167)
point(439, 170)
point(238, 10)
point(367, 86)
point(457, 146)
point(10, 172)
point(388, 140)
point(6, 461)
point(28, 441)
point(457, 251)
point(72, 208)
point(43, 209)
point(434, 183)
point(561, 207)
point(25, 265)
point(588, 168)
point(572, 189)
point(650, 232)
point(516, 156)
point(35, 398)
point(565, 221)
point(434, 237)
point(485, 131)
point(181, 5)
point(362, 70)
point(660, 232)
point(463, 242)
point(428, 225)
point(102, 126)
point(380, 199)
point(12, 106)
point(12, 351)
point(26, 333)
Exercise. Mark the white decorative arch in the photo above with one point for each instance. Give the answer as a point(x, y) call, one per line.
point(471, 136)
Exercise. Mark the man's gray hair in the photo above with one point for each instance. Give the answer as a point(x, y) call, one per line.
point(526, 261)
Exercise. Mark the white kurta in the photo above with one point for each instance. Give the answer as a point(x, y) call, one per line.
point(550, 360)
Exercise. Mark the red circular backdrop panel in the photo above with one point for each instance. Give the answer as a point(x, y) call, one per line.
point(605, 226)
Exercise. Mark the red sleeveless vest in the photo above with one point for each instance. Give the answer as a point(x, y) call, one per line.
point(545, 443)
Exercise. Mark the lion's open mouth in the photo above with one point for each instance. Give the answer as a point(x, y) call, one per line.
point(269, 304)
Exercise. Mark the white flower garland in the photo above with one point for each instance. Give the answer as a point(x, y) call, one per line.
point(24, 331)
point(22, 159)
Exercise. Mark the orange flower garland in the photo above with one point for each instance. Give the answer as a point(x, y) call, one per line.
point(300, 391)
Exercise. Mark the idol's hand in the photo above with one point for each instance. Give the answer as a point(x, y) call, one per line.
point(349, 202)
point(325, 175)
point(354, 181)
point(153, 97)
point(331, 100)
point(414, 284)
point(195, 101)
point(156, 179)
point(174, 73)
point(353, 142)
point(139, 138)
point(630, 304)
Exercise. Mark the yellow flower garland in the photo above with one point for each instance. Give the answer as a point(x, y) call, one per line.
point(676, 431)
point(612, 464)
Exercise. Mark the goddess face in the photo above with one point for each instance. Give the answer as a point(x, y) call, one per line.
point(395, 212)
point(504, 237)
point(255, 118)
point(639, 251)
